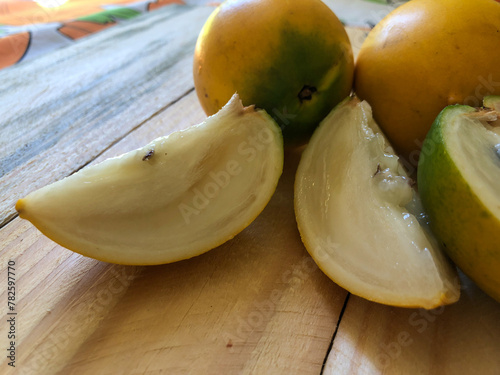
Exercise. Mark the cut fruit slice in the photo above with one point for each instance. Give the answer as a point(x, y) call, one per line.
point(459, 181)
point(175, 198)
point(360, 219)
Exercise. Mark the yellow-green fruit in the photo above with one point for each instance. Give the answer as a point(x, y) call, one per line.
point(175, 198)
point(423, 56)
point(459, 183)
point(292, 58)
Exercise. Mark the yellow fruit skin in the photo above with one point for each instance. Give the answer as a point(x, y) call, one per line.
point(267, 51)
point(468, 230)
point(423, 56)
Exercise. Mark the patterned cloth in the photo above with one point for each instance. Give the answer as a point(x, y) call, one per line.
point(29, 28)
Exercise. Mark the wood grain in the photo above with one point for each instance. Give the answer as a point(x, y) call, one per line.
point(60, 111)
point(462, 338)
point(257, 304)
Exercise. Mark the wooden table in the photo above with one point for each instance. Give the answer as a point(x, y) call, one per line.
point(256, 305)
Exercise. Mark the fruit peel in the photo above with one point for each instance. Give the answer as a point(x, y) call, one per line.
point(461, 209)
point(175, 198)
point(272, 60)
point(423, 56)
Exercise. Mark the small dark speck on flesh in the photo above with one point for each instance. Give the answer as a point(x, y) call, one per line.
point(149, 155)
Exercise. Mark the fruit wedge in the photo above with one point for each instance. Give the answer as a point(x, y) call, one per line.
point(175, 198)
point(360, 218)
point(459, 181)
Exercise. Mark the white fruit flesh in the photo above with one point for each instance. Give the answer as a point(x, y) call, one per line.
point(173, 199)
point(473, 143)
point(361, 220)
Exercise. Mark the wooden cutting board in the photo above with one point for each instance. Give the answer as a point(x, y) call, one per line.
point(255, 305)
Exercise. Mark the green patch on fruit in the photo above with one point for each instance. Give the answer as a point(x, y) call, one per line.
point(305, 86)
point(459, 182)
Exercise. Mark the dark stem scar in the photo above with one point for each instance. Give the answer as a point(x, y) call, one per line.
point(149, 155)
point(306, 93)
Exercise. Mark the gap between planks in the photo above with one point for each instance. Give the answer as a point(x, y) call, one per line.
point(346, 301)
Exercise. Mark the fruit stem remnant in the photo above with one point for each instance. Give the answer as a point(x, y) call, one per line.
point(306, 93)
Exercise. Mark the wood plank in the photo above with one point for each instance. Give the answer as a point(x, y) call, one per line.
point(375, 339)
point(49, 282)
point(462, 338)
point(257, 304)
point(61, 110)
